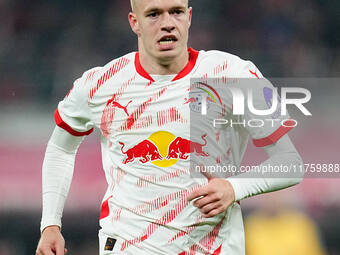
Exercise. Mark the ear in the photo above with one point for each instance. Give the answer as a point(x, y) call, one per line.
point(190, 15)
point(134, 23)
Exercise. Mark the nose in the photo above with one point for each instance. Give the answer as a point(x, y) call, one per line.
point(167, 23)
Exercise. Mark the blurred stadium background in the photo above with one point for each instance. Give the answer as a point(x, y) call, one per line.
point(46, 45)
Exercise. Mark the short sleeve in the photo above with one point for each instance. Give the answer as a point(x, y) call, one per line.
point(73, 113)
point(260, 96)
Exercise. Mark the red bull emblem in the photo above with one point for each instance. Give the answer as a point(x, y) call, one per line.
point(145, 150)
point(163, 149)
point(181, 148)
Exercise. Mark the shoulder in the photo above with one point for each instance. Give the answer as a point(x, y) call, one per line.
point(120, 62)
point(112, 67)
point(233, 63)
point(220, 55)
point(92, 79)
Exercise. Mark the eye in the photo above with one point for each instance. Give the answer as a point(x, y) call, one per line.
point(152, 14)
point(178, 12)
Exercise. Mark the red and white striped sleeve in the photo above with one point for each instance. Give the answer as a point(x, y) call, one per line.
point(73, 113)
point(263, 129)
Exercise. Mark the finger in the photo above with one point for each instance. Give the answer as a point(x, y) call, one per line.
point(209, 207)
point(212, 213)
point(60, 250)
point(207, 175)
point(199, 203)
point(198, 193)
point(46, 251)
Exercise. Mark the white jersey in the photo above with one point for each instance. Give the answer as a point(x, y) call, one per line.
point(146, 147)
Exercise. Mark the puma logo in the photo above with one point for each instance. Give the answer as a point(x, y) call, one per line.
point(118, 105)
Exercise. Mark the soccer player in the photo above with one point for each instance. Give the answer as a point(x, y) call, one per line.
point(141, 104)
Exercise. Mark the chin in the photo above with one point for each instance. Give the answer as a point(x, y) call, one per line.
point(169, 54)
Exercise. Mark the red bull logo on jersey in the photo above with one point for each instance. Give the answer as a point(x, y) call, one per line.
point(145, 151)
point(181, 148)
point(163, 149)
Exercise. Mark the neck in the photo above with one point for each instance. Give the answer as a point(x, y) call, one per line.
point(163, 66)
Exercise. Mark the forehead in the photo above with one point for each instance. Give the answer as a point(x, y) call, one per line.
point(144, 5)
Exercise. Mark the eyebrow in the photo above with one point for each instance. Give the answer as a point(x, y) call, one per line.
point(155, 9)
point(152, 10)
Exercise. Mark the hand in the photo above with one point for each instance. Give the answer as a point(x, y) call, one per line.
point(51, 242)
point(214, 198)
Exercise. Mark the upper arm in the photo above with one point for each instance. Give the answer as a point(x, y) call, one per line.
point(262, 110)
point(73, 113)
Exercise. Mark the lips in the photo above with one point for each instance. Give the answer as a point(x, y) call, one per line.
point(167, 40)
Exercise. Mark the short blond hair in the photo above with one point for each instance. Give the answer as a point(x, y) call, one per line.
point(133, 4)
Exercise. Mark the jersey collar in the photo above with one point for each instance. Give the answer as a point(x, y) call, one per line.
point(193, 55)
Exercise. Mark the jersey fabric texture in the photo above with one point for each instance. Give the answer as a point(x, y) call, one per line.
point(146, 146)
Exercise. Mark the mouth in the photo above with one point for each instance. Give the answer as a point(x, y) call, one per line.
point(167, 40)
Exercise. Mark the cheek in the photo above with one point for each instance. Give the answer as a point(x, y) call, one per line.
point(184, 26)
point(148, 36)
point(184, 32)
point(149, 29)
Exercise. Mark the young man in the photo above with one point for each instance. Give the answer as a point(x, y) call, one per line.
point(139, 102)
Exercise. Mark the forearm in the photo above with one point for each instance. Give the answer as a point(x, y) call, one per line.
point(282, 154)
point(57, 172)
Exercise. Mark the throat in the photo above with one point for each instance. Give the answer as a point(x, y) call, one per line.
point(163, 65)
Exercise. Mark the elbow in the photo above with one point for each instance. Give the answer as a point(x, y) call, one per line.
point(298, 172)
